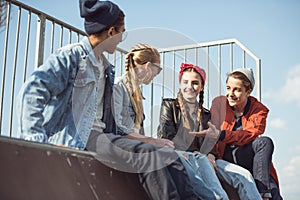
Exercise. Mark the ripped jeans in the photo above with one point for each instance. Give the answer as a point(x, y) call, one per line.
point(202, 176)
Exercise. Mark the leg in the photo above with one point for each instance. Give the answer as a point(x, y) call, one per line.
point(258, 161)
point(239, 178)
point(206, 171)
point(180, 176)
point(275, 191)
point(150, 162)
point(263, 148)
point(158, 185)
point(200, 187)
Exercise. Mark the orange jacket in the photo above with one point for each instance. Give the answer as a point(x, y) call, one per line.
point(254, 124)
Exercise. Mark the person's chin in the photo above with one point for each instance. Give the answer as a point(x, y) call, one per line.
point(190, 99)
point(111, 51)
point(147, 82)
point(232, 103)
point(190, 96)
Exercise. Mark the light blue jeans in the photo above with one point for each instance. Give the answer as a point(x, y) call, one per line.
point(239, 178)
point(202, 175)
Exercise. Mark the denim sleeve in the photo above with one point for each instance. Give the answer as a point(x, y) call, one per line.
point(47, 82)
point(122, 110)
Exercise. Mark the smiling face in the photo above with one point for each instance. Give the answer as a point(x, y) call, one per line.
point(236, 93)
point(190, 85)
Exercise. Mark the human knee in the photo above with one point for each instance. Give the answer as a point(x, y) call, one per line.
point(263, 142)
point(267, 140)
point(246, 174)
point(221, 163)
point(145, 148)
point(234, 169)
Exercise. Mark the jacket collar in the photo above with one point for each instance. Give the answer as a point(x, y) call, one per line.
point(247, 107)
point(90, 53)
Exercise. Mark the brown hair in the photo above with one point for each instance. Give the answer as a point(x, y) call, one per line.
point(200, 103)
point(242, 77)
point(120, 20)
point(138, 55)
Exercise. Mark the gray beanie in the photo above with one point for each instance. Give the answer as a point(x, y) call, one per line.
point(248, 73)
point(98, 15)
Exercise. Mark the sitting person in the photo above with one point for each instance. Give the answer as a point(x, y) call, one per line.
point(239, 120)
point(142, 65)
point(184, 115)
point(67, 102)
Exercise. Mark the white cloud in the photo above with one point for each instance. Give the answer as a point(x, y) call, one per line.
point(290, 183)
point(292, 168)
point(277, 123)
point(290, 90)
point(289, 175)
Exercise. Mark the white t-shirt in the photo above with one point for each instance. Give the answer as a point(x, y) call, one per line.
point(99, 125)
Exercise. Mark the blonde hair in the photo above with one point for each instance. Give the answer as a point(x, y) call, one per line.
point(186, 122)
point(138, 55)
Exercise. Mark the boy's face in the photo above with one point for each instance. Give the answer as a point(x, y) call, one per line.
point(115, 36)
point(236, 93)
point(108, 40)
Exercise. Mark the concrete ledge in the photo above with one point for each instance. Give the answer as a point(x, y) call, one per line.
point(37, 171)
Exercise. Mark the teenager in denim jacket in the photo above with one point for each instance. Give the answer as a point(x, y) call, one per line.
point(142, 65)
point(66, 102)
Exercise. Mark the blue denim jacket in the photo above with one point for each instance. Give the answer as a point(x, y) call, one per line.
point(57, 104)
point(122, 109)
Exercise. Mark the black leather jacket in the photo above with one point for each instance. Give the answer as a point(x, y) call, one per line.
point(170, 118)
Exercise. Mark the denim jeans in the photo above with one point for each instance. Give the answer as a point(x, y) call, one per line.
point(257, 157)
point(202, 176)
point(239, 178)
point(160, 171)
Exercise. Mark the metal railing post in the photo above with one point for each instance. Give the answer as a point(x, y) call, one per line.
point(14, 73)
point(219, 70)
point(258, 79)
point(40, 40)
point(208, 75)
point(4, 63)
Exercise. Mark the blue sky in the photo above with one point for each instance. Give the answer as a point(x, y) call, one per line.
point(269, 28)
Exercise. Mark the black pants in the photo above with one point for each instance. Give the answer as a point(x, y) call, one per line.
point(256, 157)
point(160, 170)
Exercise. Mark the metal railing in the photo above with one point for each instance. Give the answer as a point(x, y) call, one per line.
point(31, 36)
point(28, 37)
point(217, 58)
point(207, 47)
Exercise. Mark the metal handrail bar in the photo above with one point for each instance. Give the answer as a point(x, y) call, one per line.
point(57, 21)
point(220, 43)
point(39, 56)
point(211, 44)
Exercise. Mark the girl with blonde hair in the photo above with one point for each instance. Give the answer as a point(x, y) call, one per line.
point(141, 66)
